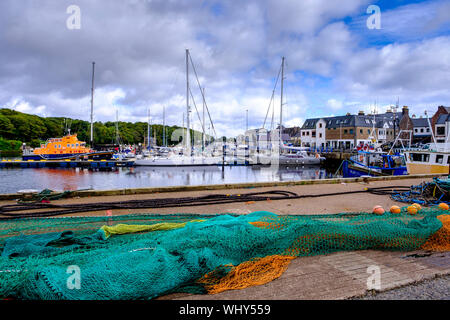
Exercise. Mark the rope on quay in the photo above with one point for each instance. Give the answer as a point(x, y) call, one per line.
point(16, 211)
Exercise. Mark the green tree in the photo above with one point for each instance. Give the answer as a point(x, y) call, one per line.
point(6, 127)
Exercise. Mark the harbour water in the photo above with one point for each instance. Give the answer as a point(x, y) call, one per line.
point(58, 179)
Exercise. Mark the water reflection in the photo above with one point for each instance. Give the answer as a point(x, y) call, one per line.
point(13, 180)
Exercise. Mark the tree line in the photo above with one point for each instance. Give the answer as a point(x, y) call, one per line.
point(17, 128)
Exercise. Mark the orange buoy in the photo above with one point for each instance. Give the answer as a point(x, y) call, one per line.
point(418, 206)
point(395, 209)
point(443, 206)
point(412, 209)
point(378, 210)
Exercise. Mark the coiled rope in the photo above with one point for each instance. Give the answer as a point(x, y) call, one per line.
point(21, 210)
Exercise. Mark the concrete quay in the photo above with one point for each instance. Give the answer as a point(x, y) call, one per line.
point(340, 275)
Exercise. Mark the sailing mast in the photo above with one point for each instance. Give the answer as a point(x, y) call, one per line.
point(117, 127)
point(184, 134)
point(92, 106)
point(188, 137)
point(148, 129)
point(281, 101)
point(203, 126)
point(164, 126)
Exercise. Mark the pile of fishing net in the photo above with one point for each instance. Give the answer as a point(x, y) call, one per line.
point(426, 193)
point(146, 256)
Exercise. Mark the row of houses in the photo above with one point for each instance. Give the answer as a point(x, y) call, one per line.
point(352, 130)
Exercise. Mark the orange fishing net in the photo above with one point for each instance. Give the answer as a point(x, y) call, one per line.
point(250, 273)
point(440, 241)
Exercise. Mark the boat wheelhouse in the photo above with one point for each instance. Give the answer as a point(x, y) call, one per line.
point(427, 162)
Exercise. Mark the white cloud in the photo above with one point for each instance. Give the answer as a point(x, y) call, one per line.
point(294, 122)
point(334, 104)
point(139, 52)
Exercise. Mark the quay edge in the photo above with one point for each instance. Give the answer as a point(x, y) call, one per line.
point(152, 190)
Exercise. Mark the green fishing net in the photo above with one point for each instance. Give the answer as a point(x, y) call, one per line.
point(37, 255)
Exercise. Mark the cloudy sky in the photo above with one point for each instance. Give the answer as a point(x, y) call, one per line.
point(334, 63)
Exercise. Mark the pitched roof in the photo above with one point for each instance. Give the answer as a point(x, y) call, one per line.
point(419, 122)
point(443, 118)
point(310, 123)
point(380, 120)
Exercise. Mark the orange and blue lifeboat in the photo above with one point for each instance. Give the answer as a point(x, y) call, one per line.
point(67, 147)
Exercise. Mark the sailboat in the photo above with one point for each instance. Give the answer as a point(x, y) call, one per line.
point(187, 158)
point(69, 147)
point(286, 155)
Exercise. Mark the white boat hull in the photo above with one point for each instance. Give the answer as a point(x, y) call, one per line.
point(289, 160)
point(179, 161)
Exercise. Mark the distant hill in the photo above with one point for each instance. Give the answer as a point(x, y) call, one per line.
point(17, 127)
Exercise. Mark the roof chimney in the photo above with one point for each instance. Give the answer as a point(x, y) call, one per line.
point(405, 110)
point(389, 110)
point(360, 113)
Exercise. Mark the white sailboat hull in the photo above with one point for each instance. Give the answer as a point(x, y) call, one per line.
point(179, 161)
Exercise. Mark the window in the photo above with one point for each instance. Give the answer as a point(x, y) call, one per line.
point(320, 135)
point(320, 125)
point(421, 130)
point(57, 146)
point(440, 131)
point(351, 131)
point(307, 133)
point(368, 131)
point(303, 133)
point(313, 134)
point(439, 158)
point(428, 129)
point(419, 157)
point(361, 131)
point(68, 145)
point(345, 131)
point(415, 130)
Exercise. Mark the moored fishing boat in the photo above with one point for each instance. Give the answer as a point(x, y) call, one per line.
point(374, 163)
point(67, 147)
